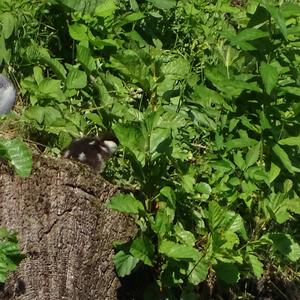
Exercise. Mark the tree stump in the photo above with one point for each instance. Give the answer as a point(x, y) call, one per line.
point(64, 229)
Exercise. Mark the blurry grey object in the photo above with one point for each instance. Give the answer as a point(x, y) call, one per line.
point(7, 95)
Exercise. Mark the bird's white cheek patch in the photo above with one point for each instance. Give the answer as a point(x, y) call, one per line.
point(111, 145)
point(81, 157)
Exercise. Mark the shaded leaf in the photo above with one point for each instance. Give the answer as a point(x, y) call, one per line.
point(125, 203)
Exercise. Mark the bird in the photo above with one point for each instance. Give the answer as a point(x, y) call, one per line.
point(7, 95)
point(93, 150)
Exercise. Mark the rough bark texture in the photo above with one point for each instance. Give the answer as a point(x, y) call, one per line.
point(65, 230)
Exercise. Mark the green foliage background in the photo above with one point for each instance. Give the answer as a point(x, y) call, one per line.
point(204, 98)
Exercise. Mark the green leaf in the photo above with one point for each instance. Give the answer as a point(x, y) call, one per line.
point(283, 156)
point(163, 221)
point(168, 192)
point(51, 88)
point(269, 76)
point(286, 245)
point(256, 265)
point(294, 205)
point(78, 32)
point(8, 22)
point(227, 272)
point(38, 74)
point(39, 54)
point(143, 249)
point(290, 141)
point(133, 138)
point(203, 188)
point(18, 154)
point(238, 160)
point(76, 79)
point(85, 58)
point(240, 143)
point(85, 6)
point(36, 113)
point(160, 140)
point(274, 172)
point(163, 4)
point(125, 203)
point(250, 34)
point(253, 155)
point(215, 215)
point(124, 263)
point(184, 236)
point(178, 251)
point(177, 68)
point(106, 9)
point(278, 18)
point(198, 272)
point(187, 183)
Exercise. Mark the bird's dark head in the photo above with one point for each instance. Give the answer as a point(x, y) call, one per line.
point(93, 151)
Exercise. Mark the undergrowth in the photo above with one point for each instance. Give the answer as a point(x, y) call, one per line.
point(204, 99)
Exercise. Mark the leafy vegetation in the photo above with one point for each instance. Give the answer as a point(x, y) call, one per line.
point(10, 255)
point(204, 99)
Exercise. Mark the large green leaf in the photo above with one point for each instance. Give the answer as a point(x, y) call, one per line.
point(284, 157)
point(278, 19)
point(143, 249)
point(227, 272)
point(124, 263)
point(178, 251)
point(269, 76)
point(76, 79)
point(18, 155)
point(125, 203)
point(286, 245)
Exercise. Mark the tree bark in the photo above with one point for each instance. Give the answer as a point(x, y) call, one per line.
point(64, 229)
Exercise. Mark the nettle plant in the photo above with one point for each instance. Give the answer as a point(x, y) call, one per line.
point(204, 99)
point(218, 187)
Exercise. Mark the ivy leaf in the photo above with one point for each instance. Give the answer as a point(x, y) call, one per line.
point(125, 203)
